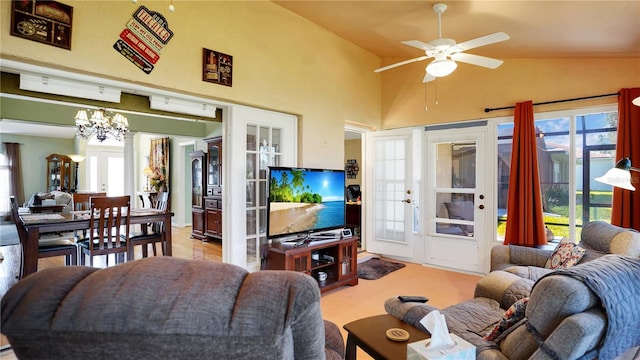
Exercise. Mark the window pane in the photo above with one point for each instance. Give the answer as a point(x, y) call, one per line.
point(593, 148)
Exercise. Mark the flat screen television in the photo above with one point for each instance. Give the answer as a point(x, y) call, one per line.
point(305, 202)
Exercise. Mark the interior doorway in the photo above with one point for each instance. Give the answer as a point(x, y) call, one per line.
point(354, 150)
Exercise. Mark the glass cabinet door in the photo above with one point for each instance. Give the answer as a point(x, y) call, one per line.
point(214, 165)
point(197, 179)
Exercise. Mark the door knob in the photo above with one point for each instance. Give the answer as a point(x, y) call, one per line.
point(481, 207)
point(408, 201)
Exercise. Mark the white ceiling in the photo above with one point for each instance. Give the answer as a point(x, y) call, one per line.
point(538, 29)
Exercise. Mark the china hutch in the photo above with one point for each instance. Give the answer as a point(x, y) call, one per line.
point(206, 207)
point(59, 173)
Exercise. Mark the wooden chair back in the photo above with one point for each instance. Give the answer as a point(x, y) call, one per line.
point(81, 201)
point(22, 232)
point(162, 204)
point(109, 225)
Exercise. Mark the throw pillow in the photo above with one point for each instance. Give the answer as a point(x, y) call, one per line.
point(566, 254)
point(512, 316)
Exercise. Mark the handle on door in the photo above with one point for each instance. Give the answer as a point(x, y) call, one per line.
point(408, 201)
point(481, 207)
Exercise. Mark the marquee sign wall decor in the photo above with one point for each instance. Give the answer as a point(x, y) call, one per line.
point(48, 22)
point(144, 38)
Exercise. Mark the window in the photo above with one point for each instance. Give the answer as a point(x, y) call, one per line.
point(573, 150)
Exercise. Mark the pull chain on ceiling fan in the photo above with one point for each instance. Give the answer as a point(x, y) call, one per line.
point(446, 52)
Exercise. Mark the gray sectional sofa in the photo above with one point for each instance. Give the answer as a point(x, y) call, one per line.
point(587, 311)
point(168, 308)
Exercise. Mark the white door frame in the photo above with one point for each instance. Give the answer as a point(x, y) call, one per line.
point(183, 206)
point(395, 247)
point(363, 176)
point(451, 251)
point(234, 214)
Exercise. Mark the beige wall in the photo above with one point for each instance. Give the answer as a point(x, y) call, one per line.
point(281, 62)
point(465, 94)
point(285, 63)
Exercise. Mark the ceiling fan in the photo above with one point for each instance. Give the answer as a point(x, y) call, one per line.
point(446, 52)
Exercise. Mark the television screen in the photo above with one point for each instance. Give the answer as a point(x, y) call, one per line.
point(305, 201)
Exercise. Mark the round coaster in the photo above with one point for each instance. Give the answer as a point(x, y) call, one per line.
point(397, 334)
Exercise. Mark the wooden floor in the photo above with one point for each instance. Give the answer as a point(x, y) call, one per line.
point(341, 305)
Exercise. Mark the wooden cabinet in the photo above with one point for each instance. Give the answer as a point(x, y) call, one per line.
point(59, 173)
point(198, 187)
point(213, 210)
point(206, 207)
point(214, 166)
point(338, 259)
point(213, 200)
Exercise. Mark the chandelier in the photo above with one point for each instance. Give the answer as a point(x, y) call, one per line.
point(102, 124)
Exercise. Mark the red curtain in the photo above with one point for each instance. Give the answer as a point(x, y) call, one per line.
point(625, 210)
point(525, 223)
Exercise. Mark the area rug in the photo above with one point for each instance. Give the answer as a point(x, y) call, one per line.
point(376, 268)
point(8, 234)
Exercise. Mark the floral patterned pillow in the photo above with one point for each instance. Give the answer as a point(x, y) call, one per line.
point(512, 316)
point(566, 254)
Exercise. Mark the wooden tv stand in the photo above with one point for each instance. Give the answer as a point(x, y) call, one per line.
point(338, 258)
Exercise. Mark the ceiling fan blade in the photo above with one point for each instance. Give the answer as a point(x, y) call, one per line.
point(401, 63)
point(428, 77)
point(482, 41)
point(477, 60)
point(418, 44)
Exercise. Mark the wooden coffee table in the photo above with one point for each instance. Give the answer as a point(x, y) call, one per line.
point(370, 335)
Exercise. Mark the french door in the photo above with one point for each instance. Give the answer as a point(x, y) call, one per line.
point(456, 197)
point(261, 139)
point(103, 170)
point(391, 200)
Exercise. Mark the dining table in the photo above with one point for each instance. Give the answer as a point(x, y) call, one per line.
point(39, 223)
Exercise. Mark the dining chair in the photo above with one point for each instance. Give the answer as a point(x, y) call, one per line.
point(151, 236)
point(81, 200)
point(47, 247)
point(108, 231)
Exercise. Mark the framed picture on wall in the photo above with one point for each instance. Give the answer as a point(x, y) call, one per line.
point(217, 67)
point(48, 22)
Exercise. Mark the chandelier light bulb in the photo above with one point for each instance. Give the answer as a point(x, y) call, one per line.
point(101, 124)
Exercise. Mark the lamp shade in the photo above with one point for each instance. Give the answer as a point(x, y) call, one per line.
point(441, 67)
point(619, 176)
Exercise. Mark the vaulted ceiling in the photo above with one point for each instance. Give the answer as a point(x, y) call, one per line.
point(538, 29)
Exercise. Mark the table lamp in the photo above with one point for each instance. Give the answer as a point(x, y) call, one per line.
point(620, 175)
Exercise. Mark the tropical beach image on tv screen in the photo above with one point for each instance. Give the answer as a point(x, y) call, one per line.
point(305, 200)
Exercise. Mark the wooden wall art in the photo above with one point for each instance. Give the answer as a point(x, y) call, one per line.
point(48, 22)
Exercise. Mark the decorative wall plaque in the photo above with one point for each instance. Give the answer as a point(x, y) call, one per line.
point(48, 22)
point(144, 38)
point(217, 67)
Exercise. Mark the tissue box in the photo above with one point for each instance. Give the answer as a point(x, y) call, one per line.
point(463, 350)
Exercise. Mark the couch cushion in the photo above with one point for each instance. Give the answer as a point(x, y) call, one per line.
point(528, 272)
point(566, 254)
point(512, 316)
point(164, 307)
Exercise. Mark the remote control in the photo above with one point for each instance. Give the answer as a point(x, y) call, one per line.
point(420, 299)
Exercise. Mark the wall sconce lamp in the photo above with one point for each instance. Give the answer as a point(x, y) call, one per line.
point(619, 176)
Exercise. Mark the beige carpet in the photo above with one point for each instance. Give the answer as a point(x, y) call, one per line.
point(349, 303)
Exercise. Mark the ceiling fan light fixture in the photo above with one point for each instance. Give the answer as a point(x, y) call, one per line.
point(440, 68)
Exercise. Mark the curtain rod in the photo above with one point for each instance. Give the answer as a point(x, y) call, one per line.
point(553, 102)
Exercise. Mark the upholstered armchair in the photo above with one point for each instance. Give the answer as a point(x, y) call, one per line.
point(597, 238)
